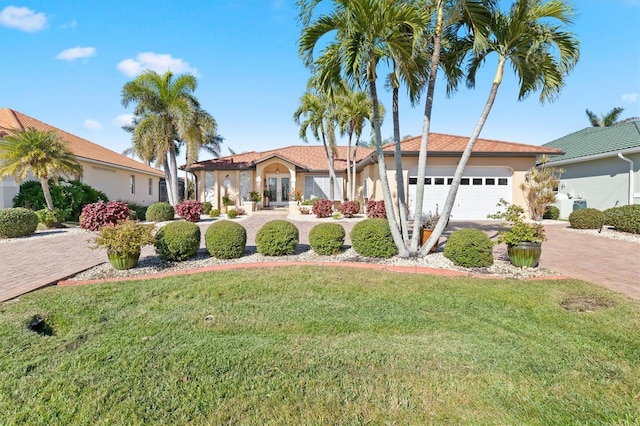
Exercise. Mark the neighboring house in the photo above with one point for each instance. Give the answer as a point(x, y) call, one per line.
point(117, 175)
point(601, 166)
point(494, 171)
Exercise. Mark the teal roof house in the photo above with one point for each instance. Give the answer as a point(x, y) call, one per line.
point(601, 166)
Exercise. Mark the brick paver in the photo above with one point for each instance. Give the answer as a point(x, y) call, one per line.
point(32, 263)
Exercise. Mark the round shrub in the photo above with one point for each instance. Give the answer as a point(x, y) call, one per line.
point(587, 219)
point(624, 218)
point(277, 238)
point(372, 238)
point(322, 208)
point(178, 241)
point(189, 210)
point(95, 216)
point(214, 213)
point(349, 208)
point(552, 212)
point(160, 212)
point(470, 248)
point(232, 214)
point(327, 238)
point(17, 222)
point(206, 207)
point(225, 239)
point(51, 219)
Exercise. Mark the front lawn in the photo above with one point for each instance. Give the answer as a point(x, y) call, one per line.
point(319, 345)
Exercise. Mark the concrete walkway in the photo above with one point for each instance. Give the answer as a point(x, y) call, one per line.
point(27, 264)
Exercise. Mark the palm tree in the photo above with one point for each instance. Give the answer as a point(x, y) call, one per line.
point(364, 32)
point(609, 119)
point(531, 37)
point(42, 153)
point(165, 113)
point(317, 112)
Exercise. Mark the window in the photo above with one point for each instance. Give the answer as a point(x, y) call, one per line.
point(427, 181)
point(132, 184)
point(414, 181)
point(150, 186)
point(464, 181)
point(502, 182)
point(449, 181)
point(477, 181)
point(319, 187)
point(490, 181)
point(439, 181)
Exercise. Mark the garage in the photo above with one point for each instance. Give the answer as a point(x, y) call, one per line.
point(480, 190)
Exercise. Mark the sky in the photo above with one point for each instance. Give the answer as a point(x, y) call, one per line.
point(65, 63)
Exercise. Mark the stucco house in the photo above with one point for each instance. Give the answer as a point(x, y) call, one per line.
point(495, 171)
point(601, 166)
point(117, 175)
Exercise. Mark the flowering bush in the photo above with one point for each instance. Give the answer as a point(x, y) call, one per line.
point(322, 208)
point(296, 195)
point(189, 210)
point(95, 216)
point(349, 208)
point(376, 209)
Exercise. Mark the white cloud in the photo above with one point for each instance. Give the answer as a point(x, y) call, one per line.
point(92, 124)
point(157, 62)
point(23, 19)
point(76, 53)
point(630, 97)
point(72, 25)
point(122, 120)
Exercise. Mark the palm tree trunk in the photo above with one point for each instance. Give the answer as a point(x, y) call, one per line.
point(402, 206)
point(44, 182)
point(167, 177)
point(382, 170)
point(426, 125)
point(466, 154)
point(349, 192)
point(173, 171)
point(353, 173)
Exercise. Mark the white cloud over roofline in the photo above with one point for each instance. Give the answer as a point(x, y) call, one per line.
point(122, 120)
point(630, 97)
point(158, 62)
point(23, 19)
point(76, 53)
point(92, 124)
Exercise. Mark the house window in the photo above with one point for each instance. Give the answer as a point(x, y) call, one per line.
point(132, 184)
point(150, 186)
point(502, 181)
point(319, 187)
point(449, 181)
point(464, 181)
point(490, 181)
point(439, 181)
point(477, 181)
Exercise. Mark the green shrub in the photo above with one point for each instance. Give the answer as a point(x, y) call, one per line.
point(470, 248)
point(136, 211)
point(214, 213)
point(277, 238)
point(372, 238)
point(17, 222)
point(624, 218)
point(327, 238)
point(51, 219)
point(69, 196)
point(178, 241)
point(232, 214)
point(160, 212)
point(587, 219)
point(206, 207)
point(225, 239)
point(552, 212)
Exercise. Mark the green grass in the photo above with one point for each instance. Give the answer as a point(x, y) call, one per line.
point(310, 345)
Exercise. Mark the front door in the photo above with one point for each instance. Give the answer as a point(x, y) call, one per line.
point(280, 188)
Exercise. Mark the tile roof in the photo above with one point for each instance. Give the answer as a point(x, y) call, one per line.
point(443, 144)
point(597, 140)
point(308, 157)
point(11, 120)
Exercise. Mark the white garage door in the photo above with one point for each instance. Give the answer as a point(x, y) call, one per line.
point(480, 190)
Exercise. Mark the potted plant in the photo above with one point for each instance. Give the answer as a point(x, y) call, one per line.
point(255, 196)
point(523, 240)
point(267, 195)
point(226, 202)
point(429, 221)
point(124, 242)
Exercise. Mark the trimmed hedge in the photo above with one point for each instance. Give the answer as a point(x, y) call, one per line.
point(470, 248)
point(225, 239)
point(160, 212)
point(552, 212)
point(177, 241)
point(588, 218)
point(327, 238)
point(372, 238)
point(206, 207)
point(624, 218)
point(277, 238)
point(17, 222)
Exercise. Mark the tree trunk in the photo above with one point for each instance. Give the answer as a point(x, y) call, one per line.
point(354, 166)
point(173, 171)
point(402, 206)
point(349, 192)
point(44, 182)
point(382, 169)
point(426, 125)
point(457, 177)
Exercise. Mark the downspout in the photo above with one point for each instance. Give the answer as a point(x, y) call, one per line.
point(622, 157)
